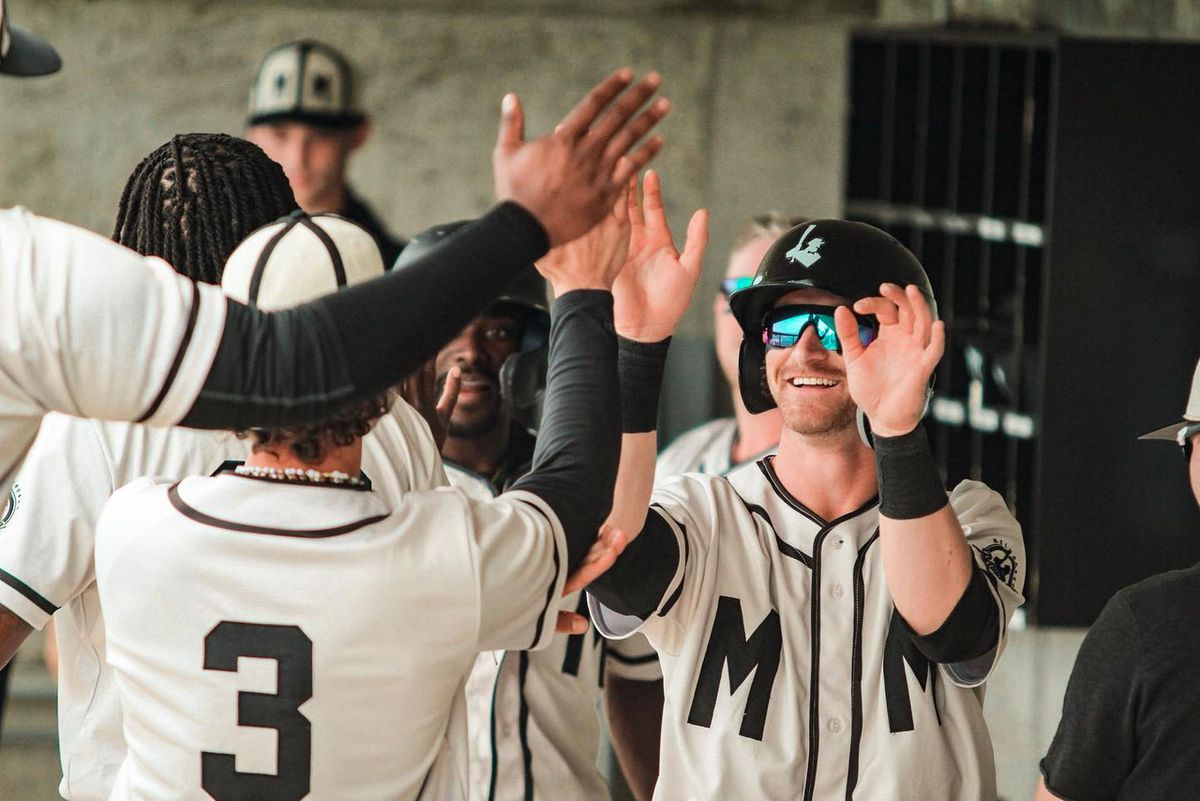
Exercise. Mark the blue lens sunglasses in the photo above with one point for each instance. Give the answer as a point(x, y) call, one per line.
point(784, 325)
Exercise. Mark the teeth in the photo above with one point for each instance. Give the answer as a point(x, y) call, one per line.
point(813, 382)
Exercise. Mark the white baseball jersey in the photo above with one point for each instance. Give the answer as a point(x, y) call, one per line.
point(533, 716)
point(92, 329)
point(284, 641)
point(707, 448)
point(788, 673)
point(48, 543)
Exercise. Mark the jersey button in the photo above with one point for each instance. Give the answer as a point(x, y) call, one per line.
point(838, 542)
point(836, 591)
point(835, 725)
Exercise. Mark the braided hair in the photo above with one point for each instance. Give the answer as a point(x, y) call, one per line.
point(195, 198)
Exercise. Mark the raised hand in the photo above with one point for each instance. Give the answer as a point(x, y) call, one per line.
point(654, 288)
point(593, 260)
point(889, 378)
point(419, 390)
point(570, 178)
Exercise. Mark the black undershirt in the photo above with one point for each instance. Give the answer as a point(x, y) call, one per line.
point(303, 364)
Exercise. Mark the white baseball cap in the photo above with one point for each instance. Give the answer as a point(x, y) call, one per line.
point(1191, 414)
point(298, 258)
point(21, 53)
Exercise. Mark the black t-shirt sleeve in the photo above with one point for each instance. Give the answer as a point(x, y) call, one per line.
point(1095, 747)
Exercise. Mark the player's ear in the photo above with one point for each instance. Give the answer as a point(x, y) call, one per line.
point(359, 135)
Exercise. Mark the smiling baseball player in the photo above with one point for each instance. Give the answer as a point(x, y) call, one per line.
point(826, 617)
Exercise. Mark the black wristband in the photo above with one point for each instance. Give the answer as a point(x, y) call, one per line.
point(909, 484)
point(639, 373)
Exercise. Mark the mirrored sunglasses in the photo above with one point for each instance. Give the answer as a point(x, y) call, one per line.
point(784, 325)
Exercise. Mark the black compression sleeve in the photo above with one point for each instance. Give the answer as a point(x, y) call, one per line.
point(390, 326)
point(306, 363)
point(636, 583)
point(579, 444)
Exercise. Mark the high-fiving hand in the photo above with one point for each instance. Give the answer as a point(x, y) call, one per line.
point(889, 379)
point(654, 288)
point(593, 260)
point(570, 178)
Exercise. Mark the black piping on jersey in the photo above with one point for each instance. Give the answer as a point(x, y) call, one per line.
point(260, 265)
point(768, 470)
point(27, 591)
point(541, 621)
point(182, 507)
point(687, 553)
point(492, 730)
point(193, 315)
point(644, 659)
point(523, 728)
point(784, 548)
point(856, 716)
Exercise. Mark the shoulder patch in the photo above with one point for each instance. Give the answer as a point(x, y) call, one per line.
point(10, 505)
point(999, 560)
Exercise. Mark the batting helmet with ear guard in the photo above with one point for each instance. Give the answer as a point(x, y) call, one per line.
point(850, 259)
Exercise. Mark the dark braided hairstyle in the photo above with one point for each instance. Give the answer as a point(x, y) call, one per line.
point(193, 200)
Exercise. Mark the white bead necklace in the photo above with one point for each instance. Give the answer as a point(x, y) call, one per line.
point(297, 475)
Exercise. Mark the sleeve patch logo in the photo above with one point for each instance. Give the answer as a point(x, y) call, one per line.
point(999, 560)
point(10, 505)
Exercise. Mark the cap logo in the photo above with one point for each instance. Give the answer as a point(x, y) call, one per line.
point(806, 254)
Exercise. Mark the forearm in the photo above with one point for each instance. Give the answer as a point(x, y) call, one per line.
point(634, 710)
point(575, 460)
point(13, 632)
point(926, 558)
point(309, 362)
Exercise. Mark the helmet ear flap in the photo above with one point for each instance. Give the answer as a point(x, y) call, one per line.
point(750, 376)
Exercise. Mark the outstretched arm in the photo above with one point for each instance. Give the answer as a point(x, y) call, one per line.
point(651, 295)
point(926, 558)
point(301, 364)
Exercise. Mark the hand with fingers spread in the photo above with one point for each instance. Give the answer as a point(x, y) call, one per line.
point(889, 378)
point(653, 290)
point(570, 178)
point(593, 260)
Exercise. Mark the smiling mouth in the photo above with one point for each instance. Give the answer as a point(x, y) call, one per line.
point(813, 382)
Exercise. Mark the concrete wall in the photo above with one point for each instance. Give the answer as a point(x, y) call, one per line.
point(758, 86)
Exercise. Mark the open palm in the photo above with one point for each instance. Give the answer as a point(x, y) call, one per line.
point(889, 379)
point(654, 287)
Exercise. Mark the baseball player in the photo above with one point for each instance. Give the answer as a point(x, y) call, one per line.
point(193, 358)
point(531, 714)
point(304, 114)
point(721, 445)
point(358, 618)
point(46, 551)
point(1129, 728)
point(826, 617)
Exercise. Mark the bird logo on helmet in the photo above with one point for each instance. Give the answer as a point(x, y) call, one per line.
point(850, 259)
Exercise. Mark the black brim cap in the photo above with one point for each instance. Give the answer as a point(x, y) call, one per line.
point(22, 54)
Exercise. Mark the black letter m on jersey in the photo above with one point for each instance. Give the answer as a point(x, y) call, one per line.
point(899, 649)
point(728, 643)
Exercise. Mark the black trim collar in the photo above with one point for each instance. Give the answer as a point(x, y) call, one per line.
point(768, 469)
point(182, 507)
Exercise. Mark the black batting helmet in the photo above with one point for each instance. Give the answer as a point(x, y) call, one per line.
point(850, 259)
point(523, 374)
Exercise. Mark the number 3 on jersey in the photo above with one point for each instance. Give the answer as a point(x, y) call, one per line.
point(291, 649)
